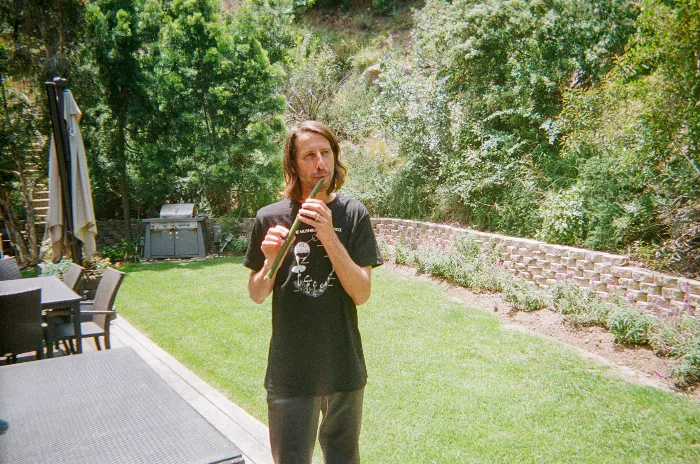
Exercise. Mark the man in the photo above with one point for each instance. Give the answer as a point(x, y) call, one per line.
point(315, 364)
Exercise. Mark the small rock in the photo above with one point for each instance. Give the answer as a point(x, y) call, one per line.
point(372, 73)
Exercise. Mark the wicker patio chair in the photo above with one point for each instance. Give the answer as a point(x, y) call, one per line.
point(95, 316)
point(21, 330)
point(73, 276)
point(9, 270)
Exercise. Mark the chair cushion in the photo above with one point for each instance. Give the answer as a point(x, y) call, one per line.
point(58, 332)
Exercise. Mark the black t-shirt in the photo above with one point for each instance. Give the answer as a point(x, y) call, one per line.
point(316, 347)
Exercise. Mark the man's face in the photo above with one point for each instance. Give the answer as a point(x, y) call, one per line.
point(314, 160)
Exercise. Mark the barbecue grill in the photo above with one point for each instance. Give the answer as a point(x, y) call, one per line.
point(177, 233)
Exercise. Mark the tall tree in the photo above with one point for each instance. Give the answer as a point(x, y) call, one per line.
point(19, 137)
point(116, 42)
point(38, 40)
point(218, 110)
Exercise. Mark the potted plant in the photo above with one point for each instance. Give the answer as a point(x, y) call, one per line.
point(94, 268)
point(49, 268)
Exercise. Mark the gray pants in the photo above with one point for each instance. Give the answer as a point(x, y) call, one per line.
point(294, 423)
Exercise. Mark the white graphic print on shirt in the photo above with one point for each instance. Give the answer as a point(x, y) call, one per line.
point(304, 282)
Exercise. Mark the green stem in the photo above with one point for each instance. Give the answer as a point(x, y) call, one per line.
point(290, 236)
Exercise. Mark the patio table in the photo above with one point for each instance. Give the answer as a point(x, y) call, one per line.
point(54, 295)
point(105, 406)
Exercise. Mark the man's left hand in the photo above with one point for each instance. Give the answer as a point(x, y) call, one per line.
point(315, 213)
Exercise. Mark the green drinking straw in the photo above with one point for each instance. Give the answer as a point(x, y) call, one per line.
point(290, 236)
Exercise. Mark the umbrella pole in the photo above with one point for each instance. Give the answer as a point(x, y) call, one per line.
point(60, 133)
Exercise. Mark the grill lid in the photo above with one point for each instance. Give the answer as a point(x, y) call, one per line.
point(177, 210)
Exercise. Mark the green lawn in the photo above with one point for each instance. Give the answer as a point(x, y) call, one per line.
point(447, 384)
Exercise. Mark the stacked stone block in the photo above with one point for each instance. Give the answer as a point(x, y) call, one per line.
point(545, 264)
point(111, 231)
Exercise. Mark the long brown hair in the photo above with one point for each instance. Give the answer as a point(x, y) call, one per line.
point(292, 185)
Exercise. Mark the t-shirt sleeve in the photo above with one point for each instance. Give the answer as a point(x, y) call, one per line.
point(254, 257)
point(363, 249)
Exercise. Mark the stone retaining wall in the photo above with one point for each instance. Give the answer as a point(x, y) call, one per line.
point(545, 264)
point(245, 226)
point(111, 231)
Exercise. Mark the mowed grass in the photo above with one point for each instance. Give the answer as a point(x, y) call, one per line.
point(447, 384)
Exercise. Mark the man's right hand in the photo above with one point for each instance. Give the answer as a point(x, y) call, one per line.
point(273, 242)
point(258, 287)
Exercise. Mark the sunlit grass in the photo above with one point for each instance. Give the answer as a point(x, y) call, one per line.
point(446, 384)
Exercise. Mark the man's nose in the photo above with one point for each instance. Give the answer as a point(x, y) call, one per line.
point(320, 164)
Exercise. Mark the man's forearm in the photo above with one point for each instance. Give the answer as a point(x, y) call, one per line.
point(258, 287)
point(356, 280)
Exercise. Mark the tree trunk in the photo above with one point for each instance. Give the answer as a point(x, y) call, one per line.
point(28, 255)
point(61, 40)
point(14, 228)
point(27, 189)
point(123, 179)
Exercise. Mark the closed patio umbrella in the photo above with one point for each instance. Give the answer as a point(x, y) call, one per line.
point(60, 245)
point(83, 224)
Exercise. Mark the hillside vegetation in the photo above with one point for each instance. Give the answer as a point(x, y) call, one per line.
point(573, 122)
point(570, 121)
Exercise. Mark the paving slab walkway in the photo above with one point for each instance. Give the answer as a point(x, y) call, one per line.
point(242, 429)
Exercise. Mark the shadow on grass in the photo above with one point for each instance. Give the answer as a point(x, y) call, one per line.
point(160, 266)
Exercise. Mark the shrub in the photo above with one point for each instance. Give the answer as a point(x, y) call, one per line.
point(229, 223)
point(656, 257)
point(434, 261)
point(403, 255)
point(523, 296)
point(676, 337)
point(473, 113)
point(382, 7)
point(366, 57)
point(314, 76)
point(125, 250)
point(112, 253)
point(580, 305)
point(687, 370)
point(96, 264)
point(562, 217)
point(471, 265)
point(630, 326)
point(385, 249)
point(489, 279)
point(350, 108)
point(239, 244)
point(679, 338)
point(367, 180)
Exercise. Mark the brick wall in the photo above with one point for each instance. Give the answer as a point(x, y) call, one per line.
point(544, 264)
